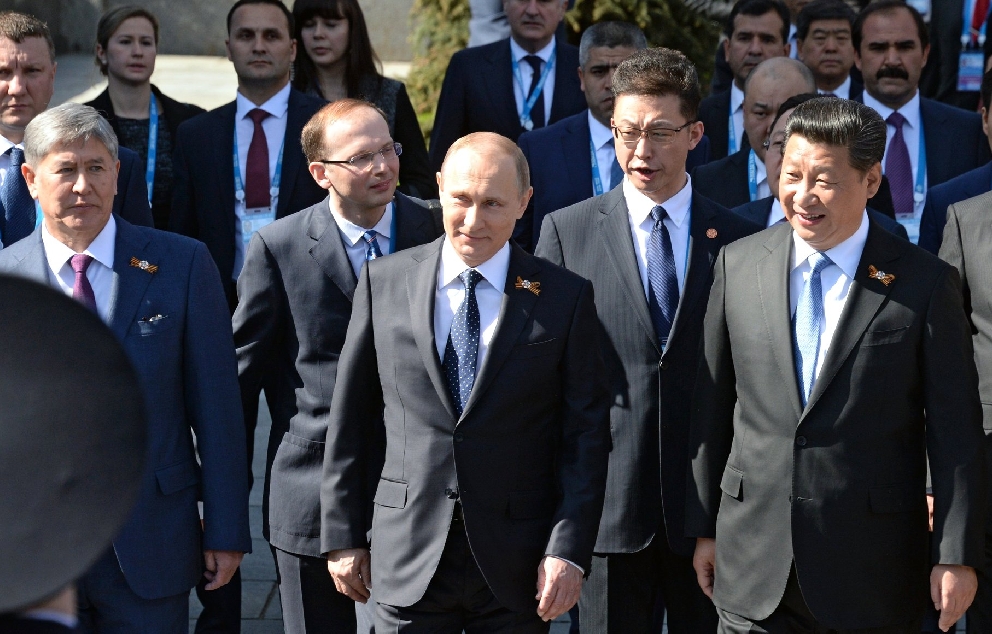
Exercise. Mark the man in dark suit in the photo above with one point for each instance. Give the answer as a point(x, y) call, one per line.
point(295, 295)
point(817, 408)
point(509, 87)
point(756, 30)
point(967, 237)
point(967, 185)
point(213, 203)
point(892, 45)
point(741, 177)
point(471, 369)
point(823, 42)
point(27, 62)
point(161, 295)
point(651, 329)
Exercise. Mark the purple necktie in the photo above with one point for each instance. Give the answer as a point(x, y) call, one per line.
point(898, 169)
point(257, 168)
point(81, 289)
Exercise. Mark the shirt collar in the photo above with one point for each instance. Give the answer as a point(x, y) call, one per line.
point(911, 110)
point(353, 233)
point(518, 52)
point(492, 270)
point(843, 91)
point(101, 249)
point(736, 98)
point(6, 144)
point(846, 255)
point(276, 106)
point(639, 206)
point(601, 135)
point(760, 173)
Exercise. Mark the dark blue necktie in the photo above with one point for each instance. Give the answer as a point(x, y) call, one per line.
point(663, 285)
point(809, 316)
point(537, 112)
point(462, 350)
point(616, 174)
point(18, 206)
point(372, 250)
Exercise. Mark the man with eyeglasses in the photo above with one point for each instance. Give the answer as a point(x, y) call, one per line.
point(648, 247)
point(295, 293)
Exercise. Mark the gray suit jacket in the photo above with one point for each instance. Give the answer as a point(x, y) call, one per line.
point(295, 297)
point(838, 487)
point(526, 459)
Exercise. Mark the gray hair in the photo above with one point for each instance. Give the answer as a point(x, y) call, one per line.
point(66, 125)
point(610, 34)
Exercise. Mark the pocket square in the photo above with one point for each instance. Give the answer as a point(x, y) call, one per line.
point(152, 319)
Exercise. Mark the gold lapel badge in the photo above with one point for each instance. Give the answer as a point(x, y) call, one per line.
point(711, 233)
point(881, 276)
point(533, 287)
point(144, 265)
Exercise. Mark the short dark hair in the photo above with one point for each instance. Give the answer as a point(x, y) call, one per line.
point(880, 6)
point(986, 90)
point(823, 10)
point(17, 27)
point(610, 34)
point(759, 8)
point(274, 3)
point(658, 72)
point(841, 123)
point(113, 19)
point(789, 104)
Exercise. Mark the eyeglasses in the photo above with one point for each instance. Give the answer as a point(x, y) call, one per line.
point(659, 136)
point(363, 162)
point(775, 145)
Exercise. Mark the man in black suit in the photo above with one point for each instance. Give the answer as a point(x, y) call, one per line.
point(741, 177)
point(295, 294)
point(756, 30)
point(836, 364)
point(651, 322)
point(212, 200)
point(471, 369)
point(27, 82)
point(509, 87)
point(823, 42)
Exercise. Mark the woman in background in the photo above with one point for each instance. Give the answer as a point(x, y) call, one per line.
point(142, 117)
point(335, 59)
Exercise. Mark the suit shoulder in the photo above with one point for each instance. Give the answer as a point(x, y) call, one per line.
point(205, 124)
point(979, 179)
point(734, 226)
point(393, 265)
point(715, 100)
point(582, 212)
point(972, 211)
point(951, 111)
point(10, 256)
point(713, 169)
point(175, 243)
point(309, 102)
point(535, 138)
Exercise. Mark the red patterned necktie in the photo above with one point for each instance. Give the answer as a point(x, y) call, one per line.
point(257, 169)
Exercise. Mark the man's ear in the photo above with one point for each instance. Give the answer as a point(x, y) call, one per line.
point(318, 171)
point(30, 177)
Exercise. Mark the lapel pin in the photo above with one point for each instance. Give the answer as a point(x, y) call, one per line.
point(533, 287)
point(881, 276)
point(144, 265)
point(711, 233)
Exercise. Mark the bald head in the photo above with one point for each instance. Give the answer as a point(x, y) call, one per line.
point(767, 87)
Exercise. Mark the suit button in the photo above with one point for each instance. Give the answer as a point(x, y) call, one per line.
point(661, 365)
point(451, 493)
point(801, 441)
point(459, 437)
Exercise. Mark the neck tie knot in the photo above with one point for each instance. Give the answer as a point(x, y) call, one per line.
point(258, 115)
point(818, 261)
point(470, 277)
point(372, 251)
point(896, 120)
point(658, 213)
point(535, 63)
point(80, 262)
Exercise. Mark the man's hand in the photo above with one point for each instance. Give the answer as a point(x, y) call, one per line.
point(559, 584)
point(221, 566)
point(952, 589)
point(704, 561)
point(351, 570)
point(930, 510)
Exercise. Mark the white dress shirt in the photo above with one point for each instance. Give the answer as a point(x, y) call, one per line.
point(843, 91)
point(777, 214)
point(354, 242)
point(737, 110)
point(793, 44)
point(835, 281)
point(606, 151)
point(100, 272)
point(912, 130)
point(527, 74)
point(639, 209)
point(764, 190)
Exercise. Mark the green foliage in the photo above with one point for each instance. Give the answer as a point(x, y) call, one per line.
point(440, 30)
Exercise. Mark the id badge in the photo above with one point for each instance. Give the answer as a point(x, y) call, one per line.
point(254, 219)
point(971, 67)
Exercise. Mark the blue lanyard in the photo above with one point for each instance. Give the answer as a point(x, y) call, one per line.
point(597, 181)
point(529, 102)
point(752, 175)
point(731, 135)
point(152, 146)
point(968, 36)
point(239, 187)
point(921, 167)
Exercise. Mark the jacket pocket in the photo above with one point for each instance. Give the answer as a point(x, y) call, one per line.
point(538, 349)
point(896, 498)
point(177, 477)
point(732, 483)
point(522, 505)
point(391, 493)
point(882, 337)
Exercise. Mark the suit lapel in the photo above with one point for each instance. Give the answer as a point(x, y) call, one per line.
point(563, 78)
point(935, 127)
point(34, 264)
point(499, 82)
point(292, 156)
point(329, 251)
point(223, 160)
point(575, 152)
point(702, 252)
point(130, 282)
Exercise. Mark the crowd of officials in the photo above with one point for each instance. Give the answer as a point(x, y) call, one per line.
point(603, 346)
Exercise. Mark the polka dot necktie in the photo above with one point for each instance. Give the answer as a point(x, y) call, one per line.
point(462, 350)
point(663, 285)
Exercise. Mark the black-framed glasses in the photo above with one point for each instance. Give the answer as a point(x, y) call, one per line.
point(660, 136)
point(363, 162)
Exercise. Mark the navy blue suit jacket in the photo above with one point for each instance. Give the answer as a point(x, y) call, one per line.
point(173, 324)
point(477, 95)
point(757, 211)
point(561, 171)
point(939, 198)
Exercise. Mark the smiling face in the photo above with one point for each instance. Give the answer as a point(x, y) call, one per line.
point(891, 58)
point(533, 22)
point(27, 81)
point(325, 40)
point(131, 51)
point(75, 186)
point(260, 45)
point(823, 197)
point(596, 79)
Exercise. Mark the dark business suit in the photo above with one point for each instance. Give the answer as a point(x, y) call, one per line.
point(714, 112)
point(649, 418)
point(173, 325)
point(561, 171)
point(477, 95)
point(203, 192)
point(758, 210)
point(295, 294)
point(966, 245)
point(835, 491)
point(939, 198)
point(10, 624)
point(526, 460)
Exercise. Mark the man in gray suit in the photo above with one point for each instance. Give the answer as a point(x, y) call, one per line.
point(295, 295)
point(836, 360)
point(471, 368)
